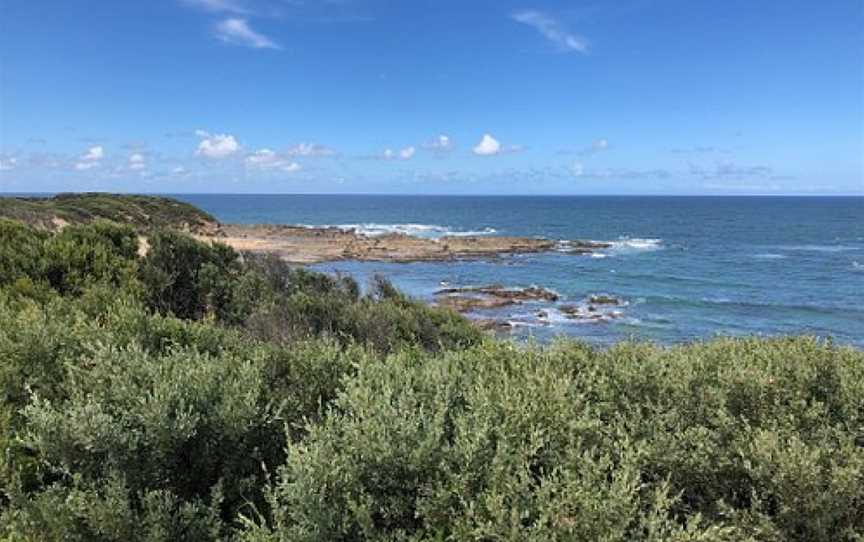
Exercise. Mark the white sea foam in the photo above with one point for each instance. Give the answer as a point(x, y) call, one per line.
point(522, 323)
point(554, 316)
point(429, 231)
point(629, 245)
point(818, 248)
point(856, 266)
point(769, 256)
point(636, 244)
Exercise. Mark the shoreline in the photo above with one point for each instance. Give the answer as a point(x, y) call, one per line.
point(310, 245)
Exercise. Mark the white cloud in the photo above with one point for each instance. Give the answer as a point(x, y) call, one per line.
point(90, 159)
point(8, 164)
point(136, 161)
point(179, 170)
point(578, 169)
point(216, 145)
point(402, 154)
point(266, 159)
point(310, 149)
point(552, 30)
point(727, 169)
point(238, 32)
point(597, 146)
point(440, 144)
point(488, 146)
point(93, 154)
point(261, 158)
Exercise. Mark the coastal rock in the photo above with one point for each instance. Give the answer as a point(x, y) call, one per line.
point(471, 298)
point(493, 326)
point(471, 303)
point(531, 293)
point(604, 299)
point(588, 313)
point(581, 247)
point(304, 245)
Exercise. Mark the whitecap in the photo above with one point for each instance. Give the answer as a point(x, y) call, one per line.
point(858, 267)
point(636, 243)
point(553, 316)
point(522, 323)
point(429, 231)
point(818, 248)
point(769, 256)
point(631, 245)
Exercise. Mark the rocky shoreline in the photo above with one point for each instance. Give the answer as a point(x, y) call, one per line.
point(477, 302)
point(309, 245)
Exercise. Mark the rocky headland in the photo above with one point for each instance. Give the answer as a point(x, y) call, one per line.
point(295, 244)
point(308, 245)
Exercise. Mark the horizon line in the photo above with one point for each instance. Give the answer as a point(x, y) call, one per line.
point(449, 195)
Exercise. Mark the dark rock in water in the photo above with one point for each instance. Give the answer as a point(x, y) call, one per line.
point(569, 310)
point(493, 296)
point(588, 313)
point(530, 293)
point(492, 325)
point(581, 247)
point(468, 303)
point(603, 299)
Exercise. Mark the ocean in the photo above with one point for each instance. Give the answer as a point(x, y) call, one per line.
point(685, 268)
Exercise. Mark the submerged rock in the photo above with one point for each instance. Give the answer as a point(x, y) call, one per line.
point(493, 296)
point(531, 293)
point(604, 299)
point(492, 325)
point(465, 303)
point(588, 313)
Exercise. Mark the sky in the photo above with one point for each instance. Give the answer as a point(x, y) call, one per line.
point(432, 97)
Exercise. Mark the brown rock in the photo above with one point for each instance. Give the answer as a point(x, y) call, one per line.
point(493, 325)
point(603, 299)
point(301, 244)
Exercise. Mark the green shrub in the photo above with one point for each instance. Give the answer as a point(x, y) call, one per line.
point(102, 252)
point(295, 304)
point(185, 423)
point(70, 260)
point(730, 440)
point(188, 278)
point(22, 252)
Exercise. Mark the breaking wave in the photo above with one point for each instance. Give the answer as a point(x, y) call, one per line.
point(428, 231)
point(818, 248)
point(636, 244)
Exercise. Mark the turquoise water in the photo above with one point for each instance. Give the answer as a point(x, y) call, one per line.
point(686, 267)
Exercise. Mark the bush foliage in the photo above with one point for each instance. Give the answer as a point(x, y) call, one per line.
point(192, 393)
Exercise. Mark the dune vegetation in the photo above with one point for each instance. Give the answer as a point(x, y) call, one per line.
point(194, 393)
point(142, 212)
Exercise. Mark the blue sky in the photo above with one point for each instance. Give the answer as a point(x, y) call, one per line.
point(452, 97)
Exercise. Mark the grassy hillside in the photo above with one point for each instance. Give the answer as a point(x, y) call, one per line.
point(189, 395)
point(141, 212)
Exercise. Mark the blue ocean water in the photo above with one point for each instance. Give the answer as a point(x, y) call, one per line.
point(686, 267)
